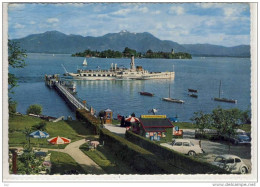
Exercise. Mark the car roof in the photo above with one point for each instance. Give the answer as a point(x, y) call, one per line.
point(181, 140)
point(226, 156)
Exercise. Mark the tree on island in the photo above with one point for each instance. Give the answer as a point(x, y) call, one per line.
point(16, 57)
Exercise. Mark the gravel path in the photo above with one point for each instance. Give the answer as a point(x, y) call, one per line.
point(83, 160)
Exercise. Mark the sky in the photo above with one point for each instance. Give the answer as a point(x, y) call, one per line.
point(226, 24)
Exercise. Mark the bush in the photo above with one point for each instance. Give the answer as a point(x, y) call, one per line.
point(41, 126)
point(12, 106)
point(34, 109)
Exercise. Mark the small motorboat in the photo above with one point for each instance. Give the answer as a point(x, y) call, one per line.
point(193, 95)
point(193, 90)
point(146, 94)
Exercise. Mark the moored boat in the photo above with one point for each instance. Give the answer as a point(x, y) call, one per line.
point(193, 95)
point(192, 90)
point(224, 99)
point(172, 100)
point(146, 94)
point(169, 99)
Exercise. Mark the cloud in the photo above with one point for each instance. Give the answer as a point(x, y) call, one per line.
point(32, 22)
point(143, 9)
point(52, 20)
point(178, 10)
point(16, 6)
point(156, 12)
point(122, 12)
point(18, 26)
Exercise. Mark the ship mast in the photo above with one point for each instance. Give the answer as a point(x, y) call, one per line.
point(219, 89)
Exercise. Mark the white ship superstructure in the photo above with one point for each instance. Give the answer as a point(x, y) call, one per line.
point(116, 73)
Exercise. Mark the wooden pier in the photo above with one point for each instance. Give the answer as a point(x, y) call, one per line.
point(64, 92)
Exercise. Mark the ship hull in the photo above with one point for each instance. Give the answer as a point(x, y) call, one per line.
point(173, 100)
point(225, 100)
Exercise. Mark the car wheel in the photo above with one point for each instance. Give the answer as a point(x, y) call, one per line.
point(191, 153)
point(243, 170)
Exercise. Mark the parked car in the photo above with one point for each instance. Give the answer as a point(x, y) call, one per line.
point(231, 163)
point(186, 147)
point(241, 138)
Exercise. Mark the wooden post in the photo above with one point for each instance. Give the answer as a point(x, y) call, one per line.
point(14, 160)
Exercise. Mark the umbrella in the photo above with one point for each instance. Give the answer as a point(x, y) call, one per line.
point(59, 140)
point(39, 134)
point(132, 119)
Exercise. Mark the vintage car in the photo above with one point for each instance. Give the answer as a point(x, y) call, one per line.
point(186, 147)
point(240, 138)
point(231, 163)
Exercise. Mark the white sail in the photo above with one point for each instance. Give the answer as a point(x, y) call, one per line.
point(85, 62)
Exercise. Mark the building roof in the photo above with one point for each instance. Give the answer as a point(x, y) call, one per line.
point(155, 129)
point(155, 124)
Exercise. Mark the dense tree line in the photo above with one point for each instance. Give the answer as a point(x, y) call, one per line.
point(16, 59)
point(225, 121)
point(128, 52)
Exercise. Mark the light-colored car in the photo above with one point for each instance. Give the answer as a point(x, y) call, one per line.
point(231, 163)
point(186, 147)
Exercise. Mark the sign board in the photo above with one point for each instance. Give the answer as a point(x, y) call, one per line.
point(153, 116)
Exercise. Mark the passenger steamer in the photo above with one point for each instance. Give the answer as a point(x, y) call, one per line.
point(116, 73)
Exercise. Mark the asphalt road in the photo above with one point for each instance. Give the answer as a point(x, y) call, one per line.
point(214, 148)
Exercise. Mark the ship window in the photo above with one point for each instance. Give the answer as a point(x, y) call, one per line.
point(108, 75)
point(104, 75)
point(89, 75)
point(85, 75)
point(99, 75)
point(94, 75)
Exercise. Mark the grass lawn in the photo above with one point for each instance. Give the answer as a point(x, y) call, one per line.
point(62, 162)
point(107, 161)
point(73, 130)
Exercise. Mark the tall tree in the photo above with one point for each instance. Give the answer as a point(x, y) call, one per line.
point(226, 121)
point(202, 121)
point(16, 59)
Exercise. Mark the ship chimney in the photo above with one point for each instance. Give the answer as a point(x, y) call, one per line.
point(115, 66)
point(132, 64)
point(112, 66)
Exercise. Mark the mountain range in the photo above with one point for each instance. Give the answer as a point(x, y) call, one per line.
point(57, 42)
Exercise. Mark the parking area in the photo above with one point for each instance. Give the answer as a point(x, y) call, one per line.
point(214, 148)
point(211, 148)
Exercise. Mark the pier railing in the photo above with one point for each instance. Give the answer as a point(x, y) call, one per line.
point(71, 98)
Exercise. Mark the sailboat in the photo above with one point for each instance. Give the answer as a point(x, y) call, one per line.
point(223, 99)
point(169, 99)
point(85, 62)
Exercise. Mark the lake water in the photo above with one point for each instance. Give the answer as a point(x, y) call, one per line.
point(122, 97)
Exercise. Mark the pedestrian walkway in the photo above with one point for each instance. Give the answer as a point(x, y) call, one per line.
point(83, 160)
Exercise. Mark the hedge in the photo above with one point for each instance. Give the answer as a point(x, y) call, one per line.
point(172, 157)
point(140, 159)
point(91, 121)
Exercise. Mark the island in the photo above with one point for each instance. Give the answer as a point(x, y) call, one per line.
point(128, 52)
